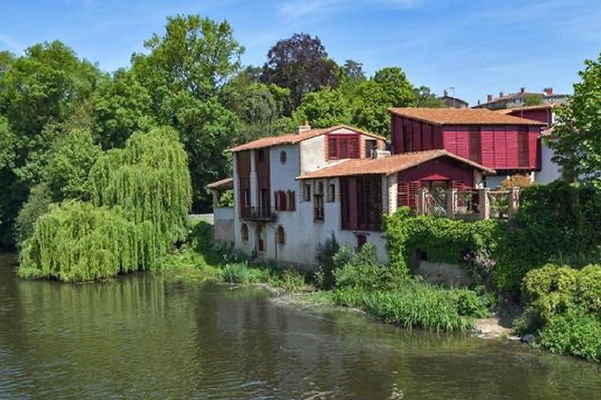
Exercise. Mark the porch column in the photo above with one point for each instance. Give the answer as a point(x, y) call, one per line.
point(254, 180)
point(421, 202)
point(484, 205)
point(215, 198)
point(514, 201)
point(451, 203)
point(392, 193)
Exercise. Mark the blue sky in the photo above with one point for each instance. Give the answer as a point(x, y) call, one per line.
point(476, 46)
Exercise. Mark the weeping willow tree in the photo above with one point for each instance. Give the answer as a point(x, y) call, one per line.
point(140, 198)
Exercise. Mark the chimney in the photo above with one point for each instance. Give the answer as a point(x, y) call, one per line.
point(303, 128)
point(548, 91)
point(522, 90)
point(488, 98)
point(501, 94)
point(479, 102)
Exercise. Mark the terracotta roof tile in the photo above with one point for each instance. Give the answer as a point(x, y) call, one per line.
point(545, 106)
point(222, 184)
point(386, 166)
point(461, 116)
point(291, 138)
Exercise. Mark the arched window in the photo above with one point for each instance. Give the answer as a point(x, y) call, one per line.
point(244, 232)
point(281, 235)
point(283, 157)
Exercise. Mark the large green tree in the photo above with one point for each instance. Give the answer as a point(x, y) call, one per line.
point(577, 128)
point(389, 87)
point(121, 106)
point(301, 64)
point(324, 108)
point(184, 73)
point(39, 92)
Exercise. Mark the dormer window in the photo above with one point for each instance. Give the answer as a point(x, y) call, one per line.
point(343, 146)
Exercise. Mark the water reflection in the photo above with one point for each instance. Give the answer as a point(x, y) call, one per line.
point(142, 337)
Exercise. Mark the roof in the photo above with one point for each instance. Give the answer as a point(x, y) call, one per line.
point(461, 116)
point(545, 106)
point(291, 138)
point(520, 95)
point(387, 165)
point(223, 184)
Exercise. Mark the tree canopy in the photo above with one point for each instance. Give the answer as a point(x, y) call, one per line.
point(578, 127)
point(300, 64)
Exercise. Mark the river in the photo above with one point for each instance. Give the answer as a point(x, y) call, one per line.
point(140, 337)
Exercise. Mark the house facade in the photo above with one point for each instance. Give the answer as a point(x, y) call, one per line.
point(294, 192)
point(278, 217)
point(504, 143)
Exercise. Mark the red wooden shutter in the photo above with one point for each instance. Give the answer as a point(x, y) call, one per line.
point(414, 187)
point(403, 194)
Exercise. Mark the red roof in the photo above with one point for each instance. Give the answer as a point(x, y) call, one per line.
point(223, 184)
point(545, 106)
point(461, 116)
point(387, 165)
point(291, 138)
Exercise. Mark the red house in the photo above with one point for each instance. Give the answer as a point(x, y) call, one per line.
point(505, 143)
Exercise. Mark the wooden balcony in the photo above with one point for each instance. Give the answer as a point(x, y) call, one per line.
point(258, 214)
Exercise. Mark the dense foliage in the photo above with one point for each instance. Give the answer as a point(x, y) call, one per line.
point(564, 309)
point(140, 200)
point(438, 239)
point(578, 126)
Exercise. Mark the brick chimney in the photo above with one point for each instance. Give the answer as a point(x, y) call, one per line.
point(488, 98)
point(522, 90)
point(303, 128)
point(548, 91)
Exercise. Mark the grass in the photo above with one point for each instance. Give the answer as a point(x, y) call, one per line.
point(416, 305)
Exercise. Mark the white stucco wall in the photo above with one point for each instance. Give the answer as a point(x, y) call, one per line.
point(303, 234)
point(549, 170)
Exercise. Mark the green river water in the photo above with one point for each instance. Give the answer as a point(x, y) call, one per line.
point(141, 337)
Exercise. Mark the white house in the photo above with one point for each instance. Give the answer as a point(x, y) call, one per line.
point(294, 192)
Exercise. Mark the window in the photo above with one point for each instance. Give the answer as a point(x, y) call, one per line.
point(370, 146)
point(281, 235)
point(261, 155)
point(343, 146)
point(246, 198)
point(244, 233)
point(331, 192)
point(291, 200)
point(318, 212)
point(280, 200)
point(283, 157)
point(307, 192)
point(475, 145)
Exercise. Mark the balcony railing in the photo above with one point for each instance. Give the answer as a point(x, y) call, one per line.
point(258, 214)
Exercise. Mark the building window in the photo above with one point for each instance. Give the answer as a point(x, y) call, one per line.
point(331, 192)
point(370, 146)
point(407, 139)
point(318, 207)
point(307, 192)
point(281, 235)
point(261, 155)
point(244, 232)
point(291, 200)
point(343, 146)
point(283, 157)
point(246, 198)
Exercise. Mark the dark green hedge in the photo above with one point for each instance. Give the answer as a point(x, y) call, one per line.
point(556, 223)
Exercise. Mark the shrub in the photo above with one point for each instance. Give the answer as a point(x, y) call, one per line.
point(417, 305)
point(242, 273)
point(325, 260)
point(290, 280)
point(37, 205)
point(361, 269)
point(575, 333)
